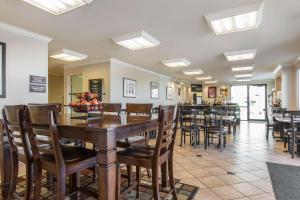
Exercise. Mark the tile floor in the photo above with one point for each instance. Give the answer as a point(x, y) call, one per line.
point(245, 155)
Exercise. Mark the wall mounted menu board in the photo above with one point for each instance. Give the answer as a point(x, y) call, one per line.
point(95, 86)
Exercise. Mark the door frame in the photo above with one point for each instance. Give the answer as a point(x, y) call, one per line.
point(248, 102)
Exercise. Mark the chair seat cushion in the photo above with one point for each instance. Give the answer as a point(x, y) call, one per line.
point(72, 154)
point(127, 142)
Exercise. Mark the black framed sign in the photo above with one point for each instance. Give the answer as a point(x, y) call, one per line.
point(95, 86)
point(37, 79)
point(2, 70)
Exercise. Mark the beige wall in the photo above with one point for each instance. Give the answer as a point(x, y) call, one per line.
point(25, 56)
point(120, 70)
point(93, 71)
point(56, 89)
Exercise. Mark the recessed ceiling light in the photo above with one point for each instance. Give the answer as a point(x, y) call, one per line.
point(237, 19)
point(57, 7)
point(67, 55)
point(243, 75)
point(278, 68)
point(210, 82)
point(244, 80)
point(204, 78)
point(242, 68)
point(240, 55)
point(182, 62)
point(137, 40)
point(192, 71)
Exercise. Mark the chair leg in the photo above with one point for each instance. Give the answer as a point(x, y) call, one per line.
point(74, 184)
point(171, 178)
point(14, 175)
point(138, 180)
point(181, 140)
point(129, 174)
point(155, 183)
point(29, 180)
point(60, 186)
point(37, 181)
point(118, 195)
point(267, 133)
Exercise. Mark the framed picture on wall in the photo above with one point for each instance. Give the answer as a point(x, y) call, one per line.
point(212, 92)
point(154, 90)
point(169, 93)
point(2, 69)
point(129, 88)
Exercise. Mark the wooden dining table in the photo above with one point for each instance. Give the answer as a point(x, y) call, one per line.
point(103, 132)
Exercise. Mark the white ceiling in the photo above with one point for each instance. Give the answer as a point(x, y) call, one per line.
point(179, 25)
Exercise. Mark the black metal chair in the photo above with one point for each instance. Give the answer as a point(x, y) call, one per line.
point(271, 124)
point(293, 135)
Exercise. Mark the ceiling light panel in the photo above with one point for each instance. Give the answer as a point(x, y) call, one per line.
point(193, 71)
point(243, 75)
point(244, 80)
point(137, 40)
point(67, 55)
point(278, 68)
point(237, 19)
point(182, 62)
point(57, 7)
point(204, 78)
point(240, 55)
point(242, 68)
point(210, 82)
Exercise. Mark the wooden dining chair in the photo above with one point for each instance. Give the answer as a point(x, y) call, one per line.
point(151, 157)
point(48, 154)
point(20, 150)
point(112, 108)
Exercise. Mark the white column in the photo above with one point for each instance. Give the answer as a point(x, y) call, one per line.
point(289, 88)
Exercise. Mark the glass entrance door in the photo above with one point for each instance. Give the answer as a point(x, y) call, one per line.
point(257, 98)
point(239, 95)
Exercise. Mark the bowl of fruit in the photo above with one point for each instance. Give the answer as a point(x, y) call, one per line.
point(87, 102)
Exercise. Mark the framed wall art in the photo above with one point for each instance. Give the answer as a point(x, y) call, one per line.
point(169, 93)
point(2, 70)
point(212, 92)
point(154, 90)
point(129, 88)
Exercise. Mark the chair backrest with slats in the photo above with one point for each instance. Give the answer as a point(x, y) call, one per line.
point(42, 131)
point(17, 140)
point(139, 109)
point(112, 108)
point(168, 122)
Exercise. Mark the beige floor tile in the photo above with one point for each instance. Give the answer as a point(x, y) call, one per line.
point(247, 189)
point(264, 196)
point(246, 176)
point(211, 181)
point(230, 179)
point(264, 185)
point(194, 182)
point(205, 164)
point(183, 174)
point(199, 173)
point(227, 192)
point(216, 171)
point(206, 194)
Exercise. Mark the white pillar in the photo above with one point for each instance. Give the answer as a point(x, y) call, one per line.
point(289, 88)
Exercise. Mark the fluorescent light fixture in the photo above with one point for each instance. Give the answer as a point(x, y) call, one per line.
point(137, 40)
point(240, 55)
point(67, 55)
point(243, 75)
point(278, 68)
point(242, 68)
point(237, 19)
point(182, 62)
point(210, 82)
point(193, 71)
point(244, 80)
point(57, 7)
point(204, 78)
